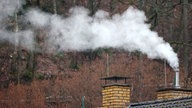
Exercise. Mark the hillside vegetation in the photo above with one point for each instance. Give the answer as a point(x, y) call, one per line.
point(41, 78)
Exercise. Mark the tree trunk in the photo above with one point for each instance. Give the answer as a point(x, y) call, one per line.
point(39, 3)
point(107, 66)
point(185, 37)
point(139, 70)
point(112, 6)
point(170, 20)
point(74, 2)
point(140, 4)
point(90, 5)
point(54, 6)
point(16, 57)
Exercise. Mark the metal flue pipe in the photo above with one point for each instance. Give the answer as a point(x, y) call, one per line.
point(177, 79)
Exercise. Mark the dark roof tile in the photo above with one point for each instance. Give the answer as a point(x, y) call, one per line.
point(170, 103)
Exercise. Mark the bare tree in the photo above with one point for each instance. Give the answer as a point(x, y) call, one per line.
point(54, 6)
point(185, 36)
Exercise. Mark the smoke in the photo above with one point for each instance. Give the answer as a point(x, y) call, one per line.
point(23, 38)
point(80, 32)
point(8, 7)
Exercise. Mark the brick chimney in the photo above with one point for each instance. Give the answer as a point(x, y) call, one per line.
point(116, 92)
point(173, 93)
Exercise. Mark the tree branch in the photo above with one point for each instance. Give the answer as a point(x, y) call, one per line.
point(181, 43)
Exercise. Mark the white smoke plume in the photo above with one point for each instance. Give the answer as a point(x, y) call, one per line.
point(80, 32)
point(8, 7)
point(23, 38)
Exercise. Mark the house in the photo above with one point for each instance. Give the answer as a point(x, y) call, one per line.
point(116, 94)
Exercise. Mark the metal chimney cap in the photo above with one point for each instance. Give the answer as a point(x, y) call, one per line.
point(115, 78)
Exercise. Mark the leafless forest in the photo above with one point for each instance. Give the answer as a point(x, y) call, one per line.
point(40, 79)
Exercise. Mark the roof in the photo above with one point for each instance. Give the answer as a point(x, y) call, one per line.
point(116, 84)
point(175, 89)
point(170, 103)
point(115, 78)
point(115, 81)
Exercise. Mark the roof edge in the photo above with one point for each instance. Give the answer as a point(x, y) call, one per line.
point(174, 89)
point(117, 84)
